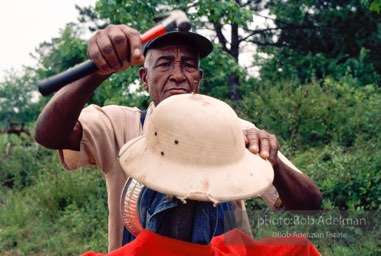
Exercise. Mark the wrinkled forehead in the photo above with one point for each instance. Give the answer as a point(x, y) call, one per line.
point(182, 49)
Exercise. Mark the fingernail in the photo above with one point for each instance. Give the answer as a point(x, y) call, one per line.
point(136, 52)
point(254, 149)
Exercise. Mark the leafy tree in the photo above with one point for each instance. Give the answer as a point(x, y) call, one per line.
point(18, 101)
point(375, 5)
point(321, 38)
point(61, 53)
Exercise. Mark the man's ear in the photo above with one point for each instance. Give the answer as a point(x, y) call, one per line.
point(199, 83)
point(143, 78)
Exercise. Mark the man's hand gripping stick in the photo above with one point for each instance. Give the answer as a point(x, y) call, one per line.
point(167, 22)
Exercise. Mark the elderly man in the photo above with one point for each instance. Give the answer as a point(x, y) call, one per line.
point(94, 135)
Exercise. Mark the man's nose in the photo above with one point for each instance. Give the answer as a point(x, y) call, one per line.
point(177, 72)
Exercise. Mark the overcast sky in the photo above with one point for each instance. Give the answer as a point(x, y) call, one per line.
point(24, 24)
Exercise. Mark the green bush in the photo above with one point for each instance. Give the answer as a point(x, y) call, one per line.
point(314, 115)
point(331, 132)
point(347, 178)
point(49, 210)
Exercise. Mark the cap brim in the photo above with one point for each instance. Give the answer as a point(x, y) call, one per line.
point(203, 44)
point(249, 177)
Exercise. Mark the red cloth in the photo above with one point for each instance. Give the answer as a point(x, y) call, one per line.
point(233, 242)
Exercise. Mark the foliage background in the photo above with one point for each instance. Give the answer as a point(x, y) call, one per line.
point(317, 89)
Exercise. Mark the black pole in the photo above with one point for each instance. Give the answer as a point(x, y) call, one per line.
point(56, 82)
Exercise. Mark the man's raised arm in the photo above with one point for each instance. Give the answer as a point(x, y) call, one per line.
point(112, 49)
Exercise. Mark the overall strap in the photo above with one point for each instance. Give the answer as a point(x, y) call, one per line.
point(143, 116)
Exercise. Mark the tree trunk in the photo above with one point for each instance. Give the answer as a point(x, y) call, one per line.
point(233, 82)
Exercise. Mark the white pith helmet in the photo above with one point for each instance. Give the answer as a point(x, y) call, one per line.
point(194, 148)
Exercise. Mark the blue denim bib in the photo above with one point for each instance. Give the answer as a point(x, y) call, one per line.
point(209, 220)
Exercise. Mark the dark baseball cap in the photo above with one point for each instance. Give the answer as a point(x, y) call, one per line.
point(203, 44)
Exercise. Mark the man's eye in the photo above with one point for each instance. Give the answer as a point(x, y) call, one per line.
point(189, 66)
point(165, 64)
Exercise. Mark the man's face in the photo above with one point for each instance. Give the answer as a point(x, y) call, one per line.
point(170, 70)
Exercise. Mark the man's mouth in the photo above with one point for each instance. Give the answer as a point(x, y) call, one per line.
point(173, 91)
